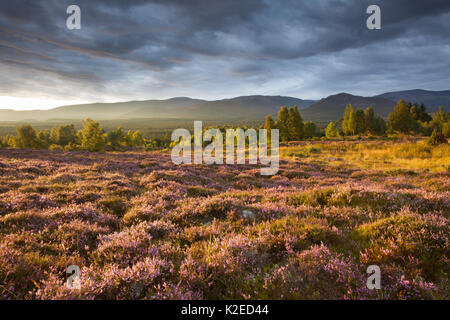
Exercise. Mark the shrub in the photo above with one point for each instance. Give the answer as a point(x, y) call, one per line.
point(114, 205)
point(436, 138)
point(55, 147)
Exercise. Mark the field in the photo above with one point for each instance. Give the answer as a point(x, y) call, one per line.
point(140, 227)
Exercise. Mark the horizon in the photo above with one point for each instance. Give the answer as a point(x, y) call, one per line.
point(142, 50)
point(51, 106)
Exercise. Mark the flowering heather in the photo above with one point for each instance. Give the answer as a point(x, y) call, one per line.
point(140, 227)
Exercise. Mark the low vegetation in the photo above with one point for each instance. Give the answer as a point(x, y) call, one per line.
point(140, 227)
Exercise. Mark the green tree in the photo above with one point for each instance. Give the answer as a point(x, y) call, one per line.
point(360, 122)
point(92, 136)
point(436, 138)
point(10, 141)
point(26, 137)
point(369, 117)
point(128, 139)
point(44, 140)
point(291, 125)
point(298, 124)
point(401, 120)
point(310, 129)
point(441, 121)
point(116, 138)
point(63, 135)
point(133, 139)
point(349, 123)
point(269, 124)
point(137, 139)
point(282, 124)
point(380, 126)
point(331, 130)
point(446, 129)
point(419, 113)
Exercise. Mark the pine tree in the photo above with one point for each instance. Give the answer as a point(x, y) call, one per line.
point(360, 122)
point(369, 117)
point(298, 122)
point(282, 124)
point(400, 119)
point(269, 124)
point(424, 116)
point(292, 132)
point(380, 126)
point(309, 129)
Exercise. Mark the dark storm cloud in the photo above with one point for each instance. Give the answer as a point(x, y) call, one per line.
point(150, 49)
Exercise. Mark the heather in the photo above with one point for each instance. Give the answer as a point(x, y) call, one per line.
point(141, 227)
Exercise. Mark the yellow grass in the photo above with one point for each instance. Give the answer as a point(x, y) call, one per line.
point(378, 155)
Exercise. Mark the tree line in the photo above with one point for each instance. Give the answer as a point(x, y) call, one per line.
point(290, 125)
point(406, 118)
point(65, 137)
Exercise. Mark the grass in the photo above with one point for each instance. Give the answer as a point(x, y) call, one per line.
point(378, 155)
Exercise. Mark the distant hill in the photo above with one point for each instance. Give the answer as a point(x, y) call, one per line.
point(239, 108)
point(106, 111)
point(333, 107)
point(431, 99)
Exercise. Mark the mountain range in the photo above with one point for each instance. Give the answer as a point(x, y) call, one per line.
point(240, 108)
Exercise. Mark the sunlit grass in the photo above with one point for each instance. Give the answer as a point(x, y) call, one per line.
point(378, 155)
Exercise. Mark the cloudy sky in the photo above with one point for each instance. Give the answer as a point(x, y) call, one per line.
point(137, 49)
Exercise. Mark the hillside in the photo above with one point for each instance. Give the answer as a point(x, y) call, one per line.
point(432, 99)
point(332, 107)
point(254, 107)
point(239, 108)
point(102, 111)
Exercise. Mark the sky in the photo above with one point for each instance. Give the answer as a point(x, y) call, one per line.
point(139, 50)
